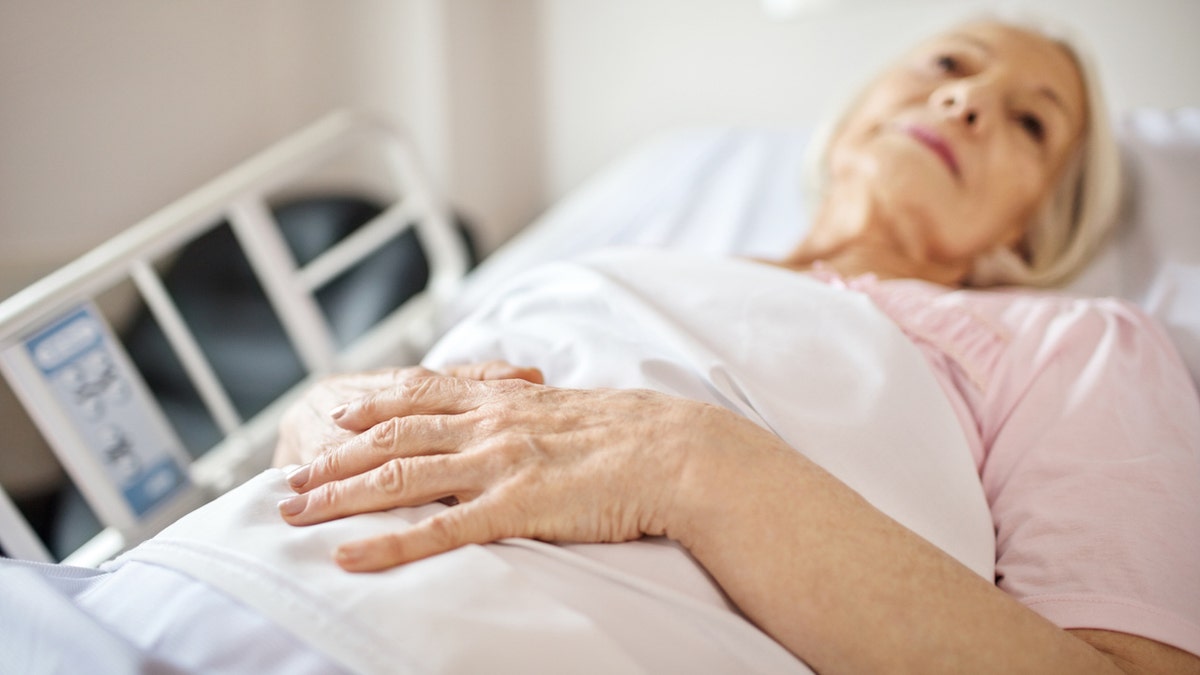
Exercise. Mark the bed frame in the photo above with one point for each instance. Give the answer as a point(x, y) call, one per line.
point(51, 332)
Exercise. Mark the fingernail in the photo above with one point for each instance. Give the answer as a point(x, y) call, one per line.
point(337, 412)
point(349, 554)
point(293, 505)
point(299, 477)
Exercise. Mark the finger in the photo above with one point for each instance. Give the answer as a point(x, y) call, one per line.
point(413, 481)
point(419, 396)
point(390, 439)
point(371, 380)
point(408, 373)
point(468, 523)
point(497, 370)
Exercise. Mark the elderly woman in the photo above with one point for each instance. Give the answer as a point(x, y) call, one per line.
point(980, 158)
point(880, 470)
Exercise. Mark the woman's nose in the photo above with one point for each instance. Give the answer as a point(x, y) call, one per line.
point(967, 100)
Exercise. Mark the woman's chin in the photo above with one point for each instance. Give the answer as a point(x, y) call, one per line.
point(900, 166)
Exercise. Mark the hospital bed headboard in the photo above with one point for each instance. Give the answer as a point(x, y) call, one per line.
point(79, 386)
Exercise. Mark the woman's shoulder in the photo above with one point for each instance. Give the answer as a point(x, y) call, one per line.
point(1043, 319)
point(1018, 321)
point(1007, 338)
point(1062, 348)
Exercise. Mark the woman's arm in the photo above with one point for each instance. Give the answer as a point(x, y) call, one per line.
point(836, 581)
point(850, 590)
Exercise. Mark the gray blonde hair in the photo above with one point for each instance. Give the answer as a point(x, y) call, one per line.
point(1077, 216)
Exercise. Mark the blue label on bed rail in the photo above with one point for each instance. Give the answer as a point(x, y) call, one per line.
point(106, 401)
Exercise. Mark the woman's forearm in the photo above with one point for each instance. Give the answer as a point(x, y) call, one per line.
point(845, 587)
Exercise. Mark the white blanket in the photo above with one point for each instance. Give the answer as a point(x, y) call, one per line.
point(819, 366)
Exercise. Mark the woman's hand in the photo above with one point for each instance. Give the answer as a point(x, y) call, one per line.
point(307, 431)
point(520, 460)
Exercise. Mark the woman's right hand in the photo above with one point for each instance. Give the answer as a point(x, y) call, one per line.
point(521, 460)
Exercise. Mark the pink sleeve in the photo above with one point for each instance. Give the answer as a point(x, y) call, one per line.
point(1093, 471)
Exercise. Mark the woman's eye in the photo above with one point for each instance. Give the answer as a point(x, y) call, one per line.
point(1032, 126)
point(947, 64)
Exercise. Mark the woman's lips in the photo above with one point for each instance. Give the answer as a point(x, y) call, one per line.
point(932, 140)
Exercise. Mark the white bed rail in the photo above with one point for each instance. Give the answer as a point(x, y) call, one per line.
point(29, 319)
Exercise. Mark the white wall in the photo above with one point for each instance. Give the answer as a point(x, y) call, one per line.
point(495, 112)
point(112, 109)
point(620, 70)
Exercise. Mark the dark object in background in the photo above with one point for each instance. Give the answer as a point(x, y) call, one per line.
point(222, 302)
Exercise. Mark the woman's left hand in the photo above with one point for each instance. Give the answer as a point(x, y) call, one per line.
point(307, 431)
point(520, 460)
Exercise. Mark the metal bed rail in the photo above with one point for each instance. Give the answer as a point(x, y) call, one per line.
point(29, 349)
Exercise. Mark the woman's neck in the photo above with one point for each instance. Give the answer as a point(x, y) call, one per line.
point(852, 237)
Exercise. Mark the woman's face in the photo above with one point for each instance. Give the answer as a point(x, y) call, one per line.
point(964, 138)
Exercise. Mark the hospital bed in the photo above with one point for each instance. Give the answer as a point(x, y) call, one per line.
point(709, 191)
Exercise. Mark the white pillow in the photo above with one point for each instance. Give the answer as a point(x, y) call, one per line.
point(1154, 258)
